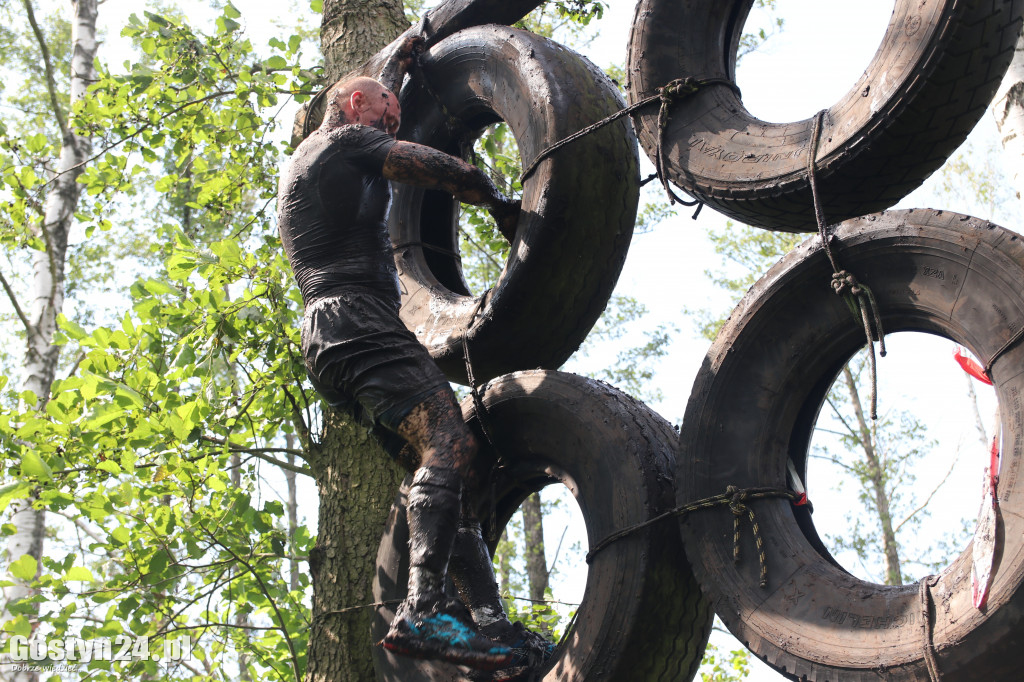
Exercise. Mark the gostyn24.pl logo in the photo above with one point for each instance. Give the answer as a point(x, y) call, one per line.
point(22, 649)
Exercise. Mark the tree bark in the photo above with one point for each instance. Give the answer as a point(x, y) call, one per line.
point(352, 31)
point(536, 563)
point(876, 480)
point(47, 293)
point(1008, 111)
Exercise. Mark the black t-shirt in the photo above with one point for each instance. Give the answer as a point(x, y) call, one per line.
point(332, 208)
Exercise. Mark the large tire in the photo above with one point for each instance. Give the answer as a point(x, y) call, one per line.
point(755, 403)
point(642, 618)
point(928, 84)
point(579, 206)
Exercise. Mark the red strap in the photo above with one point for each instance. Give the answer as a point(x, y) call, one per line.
point(970, 366)
point(800, 501)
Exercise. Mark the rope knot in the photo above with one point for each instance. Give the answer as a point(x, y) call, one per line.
point(845, 283)
point(678, 88)
point(737, 500)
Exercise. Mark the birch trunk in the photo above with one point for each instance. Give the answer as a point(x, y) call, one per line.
point(47, 292)
point(1008, 111)
point(46, 297)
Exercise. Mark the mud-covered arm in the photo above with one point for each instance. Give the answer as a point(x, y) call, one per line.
point(422, 166)
point(399, 63)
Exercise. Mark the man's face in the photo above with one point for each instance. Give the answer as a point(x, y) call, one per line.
point(384, 112)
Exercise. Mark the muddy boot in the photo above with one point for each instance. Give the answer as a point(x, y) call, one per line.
point(473, 575)
point(530, 652)
point(428, 624)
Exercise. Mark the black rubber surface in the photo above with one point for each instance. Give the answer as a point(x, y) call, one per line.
point(642, 618)
point(754, 405)
point(579, 206)
point(928, 84)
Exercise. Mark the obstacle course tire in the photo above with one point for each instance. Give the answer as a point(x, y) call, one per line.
point(642, 618)
point(755, 403)
point(928, 84)
point(579, 205)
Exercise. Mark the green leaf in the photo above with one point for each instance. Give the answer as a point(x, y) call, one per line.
point(25, 568)
point(231, 11)
point(276, 62)
point(225, 25)
point(109, 466)
point(158, 564)
point(157, 19)
point(33, 465)
point(79, 573)
point(120, 535)
point(158, 288)
point(36, 143)
point(317, 6)
point(14, 491)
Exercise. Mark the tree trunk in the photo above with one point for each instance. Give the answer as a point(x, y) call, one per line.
point(352, 31)
point(1008, 111)
point(536, 564)
point(47, 294)
point(876, 479)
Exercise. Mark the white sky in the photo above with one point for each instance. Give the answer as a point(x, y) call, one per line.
point(805, 68)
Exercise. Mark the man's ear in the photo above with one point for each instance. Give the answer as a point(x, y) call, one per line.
point(357, 100)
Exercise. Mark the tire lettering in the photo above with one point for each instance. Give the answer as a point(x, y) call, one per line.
point(717, 151)
point(866, 622)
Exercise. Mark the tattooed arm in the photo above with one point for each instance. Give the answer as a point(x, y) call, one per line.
point(422, 166)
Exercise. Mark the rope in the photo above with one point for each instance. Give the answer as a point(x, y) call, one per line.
point(485, 425)
point(736, 499)
point(350, 609)
point(1002, 349)
point(858, 295)
point(454, 123)
point(428, 247)
point(931, 662)
point(677, 89)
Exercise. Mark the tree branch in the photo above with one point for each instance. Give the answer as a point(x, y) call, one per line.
point(931, 494)
point(262, 454)
point(138, 131)
point(51, 85)
point(29, 327)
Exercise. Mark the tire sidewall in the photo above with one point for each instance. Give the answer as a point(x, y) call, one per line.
point(765, 377)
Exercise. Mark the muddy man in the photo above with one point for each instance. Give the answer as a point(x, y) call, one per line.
point(333, 204)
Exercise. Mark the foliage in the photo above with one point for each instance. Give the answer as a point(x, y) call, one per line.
point(724, 666)
point(152, 445)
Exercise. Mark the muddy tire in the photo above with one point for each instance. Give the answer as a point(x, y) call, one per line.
point(642, 618)
point(755, 403)
point(928, 84)
point(579, 205)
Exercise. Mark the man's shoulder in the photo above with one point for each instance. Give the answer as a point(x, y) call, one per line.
point(355, 134)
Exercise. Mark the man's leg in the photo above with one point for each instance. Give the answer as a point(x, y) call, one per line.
point(427, 624)
point(473, 575)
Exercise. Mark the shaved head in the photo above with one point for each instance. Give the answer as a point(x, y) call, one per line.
point(342, 91)
point(365, 101)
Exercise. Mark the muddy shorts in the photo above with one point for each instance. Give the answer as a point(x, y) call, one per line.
point(361, 358)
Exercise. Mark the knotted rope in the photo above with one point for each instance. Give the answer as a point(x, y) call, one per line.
point(736, 499)
point(485, 425)
point(673, 91)
point(858, 295)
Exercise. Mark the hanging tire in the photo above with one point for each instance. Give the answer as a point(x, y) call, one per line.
point(642, 618)
point(928, 84)
point(754, 405)
point(579, 205)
